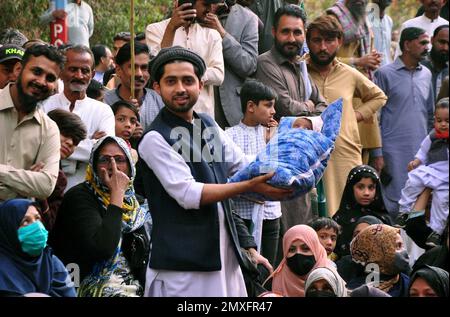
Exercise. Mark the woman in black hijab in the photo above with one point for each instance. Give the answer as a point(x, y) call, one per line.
point(429, 281)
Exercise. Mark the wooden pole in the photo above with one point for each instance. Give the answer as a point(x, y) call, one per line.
point(133, 70)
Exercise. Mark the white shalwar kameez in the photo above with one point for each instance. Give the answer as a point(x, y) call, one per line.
point(175, 175)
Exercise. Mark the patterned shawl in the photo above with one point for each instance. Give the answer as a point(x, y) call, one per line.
point(376, 244)
point(112, 277)
point(353, 30)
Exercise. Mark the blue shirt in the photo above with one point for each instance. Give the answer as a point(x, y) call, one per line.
point(410, 100)
point(405, 121)
point(151, 105)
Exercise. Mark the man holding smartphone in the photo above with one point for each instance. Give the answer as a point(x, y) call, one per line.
point(238, 28)
point(181, 29)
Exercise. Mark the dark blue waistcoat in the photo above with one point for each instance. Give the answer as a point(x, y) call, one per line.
point(438, 149)
point(187, 240)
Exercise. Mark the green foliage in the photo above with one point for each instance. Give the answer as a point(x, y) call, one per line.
point(112, 16)
point(315, 8)
point(24, 16)
point(402, 10)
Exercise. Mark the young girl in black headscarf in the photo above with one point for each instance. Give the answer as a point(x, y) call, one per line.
point(362, 197)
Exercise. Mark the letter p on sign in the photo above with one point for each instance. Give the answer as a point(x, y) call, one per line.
point(58, 32)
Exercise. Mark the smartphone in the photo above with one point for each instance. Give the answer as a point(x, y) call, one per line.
point(180, 2)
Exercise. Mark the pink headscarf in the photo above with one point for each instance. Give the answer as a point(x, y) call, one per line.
point(286, 282)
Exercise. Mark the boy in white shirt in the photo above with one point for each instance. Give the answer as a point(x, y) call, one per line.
point(251, 135)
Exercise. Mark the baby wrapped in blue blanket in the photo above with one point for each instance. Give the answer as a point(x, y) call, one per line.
point(297, 156)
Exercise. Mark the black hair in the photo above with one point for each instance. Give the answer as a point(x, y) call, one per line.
point(325, 223)
point(108, 75)
point(122, 36)
point(50, 52)
point(410, 34)
point(99, 51)
point(33, 42)
point(69, 124)
point(64, 47)
point(255, 91)
point(94, 90)
point(139, 37)
point(124, 53)
point(439, 28)
point(289, 10)
point(124, 104)
point(327, 26)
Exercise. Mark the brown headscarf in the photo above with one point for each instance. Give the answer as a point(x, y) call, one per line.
point(286, 282)
point(376, 244)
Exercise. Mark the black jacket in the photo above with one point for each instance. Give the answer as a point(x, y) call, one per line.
point(84, 232)
point(188, 240)
point(437, 256)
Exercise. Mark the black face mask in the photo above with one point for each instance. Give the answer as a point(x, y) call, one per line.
point(401, 262)
point(301, 264)
point(319, 293)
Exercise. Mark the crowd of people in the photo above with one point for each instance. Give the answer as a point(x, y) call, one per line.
point(114, 186)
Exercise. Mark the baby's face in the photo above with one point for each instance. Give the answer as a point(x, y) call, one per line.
point(302, 123)
point(441, 120)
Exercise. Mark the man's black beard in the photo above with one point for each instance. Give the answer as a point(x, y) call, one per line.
point(438, 57)
point(320, 62)
point(175, 109)
point(280, 49)
point(27, 103)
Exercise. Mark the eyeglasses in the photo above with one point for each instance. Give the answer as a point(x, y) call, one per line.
point(106, 159)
